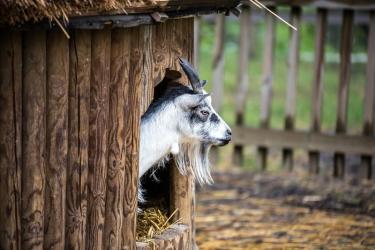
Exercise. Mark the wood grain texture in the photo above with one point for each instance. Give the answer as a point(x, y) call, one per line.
point(369, 102)
point(242, 87)
point(132, 126)
point(10, 139)
point(266, 89)
point(78, 135)
point(147, 72)
point(98, 137)
point(317, 84)
point(343, 91)
point(33, 138)
point(290, 101)
point(118, 94)
point(56, 139)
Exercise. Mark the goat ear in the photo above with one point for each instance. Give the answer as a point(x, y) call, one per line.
point(203, 83)
point(189, 101)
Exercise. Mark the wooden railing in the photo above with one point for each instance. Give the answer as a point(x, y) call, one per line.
point(314, 141)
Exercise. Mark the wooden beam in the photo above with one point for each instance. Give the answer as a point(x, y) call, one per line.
point(354, 144)
point(78, 136)
point(182, 187)
point(242, 78)
point(266, 89)
point(33, 139)
point(10, 139)
point(317, 84)
point(56, 138)
point(369, 102)
point(343, 91)
point(290, 100)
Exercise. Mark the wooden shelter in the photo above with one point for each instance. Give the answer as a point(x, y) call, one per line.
point(70, 112)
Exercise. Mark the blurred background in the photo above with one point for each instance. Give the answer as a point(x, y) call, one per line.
point(284, 93)
point(210, 26)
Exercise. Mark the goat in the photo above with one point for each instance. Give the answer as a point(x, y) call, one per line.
point(182, 122)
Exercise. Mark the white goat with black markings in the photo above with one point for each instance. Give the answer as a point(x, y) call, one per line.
point(183, 123)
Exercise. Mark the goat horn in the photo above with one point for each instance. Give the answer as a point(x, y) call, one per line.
point(191, 74)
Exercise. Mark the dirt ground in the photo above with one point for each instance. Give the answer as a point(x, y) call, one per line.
point(244, 210)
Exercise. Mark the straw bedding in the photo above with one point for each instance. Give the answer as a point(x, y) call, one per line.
point(152, 221)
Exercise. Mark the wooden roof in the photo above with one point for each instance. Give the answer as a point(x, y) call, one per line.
point(20, 11)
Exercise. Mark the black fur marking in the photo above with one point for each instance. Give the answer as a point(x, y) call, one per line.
point(167, 96)
point(214, 118)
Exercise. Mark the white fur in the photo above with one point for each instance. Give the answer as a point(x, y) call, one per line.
point(168, 131)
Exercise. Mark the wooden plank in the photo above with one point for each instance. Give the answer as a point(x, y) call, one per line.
point(317, 84)
point(290, 101)
point(147, 72)
point(78, 136)
point(98, 137)
point(369, 102)
point(33, 138)
point(160, 51)
point(56, 139)
point(10, 139)
point(354, 144)
point(266, 89)
point(242, 78)
point(182, 187)
point(175, 237)
point(132, 126)
point(118, 91)
point(343, 91)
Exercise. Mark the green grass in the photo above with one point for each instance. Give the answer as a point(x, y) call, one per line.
point(303, 112)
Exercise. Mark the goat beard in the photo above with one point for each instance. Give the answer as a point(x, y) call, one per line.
point(193, 158)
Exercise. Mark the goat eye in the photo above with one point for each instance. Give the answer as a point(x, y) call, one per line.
point(204, 112)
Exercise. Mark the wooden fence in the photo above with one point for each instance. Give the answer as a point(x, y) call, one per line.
point(314, 141)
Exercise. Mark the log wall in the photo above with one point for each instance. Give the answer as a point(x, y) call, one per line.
point(69, 133)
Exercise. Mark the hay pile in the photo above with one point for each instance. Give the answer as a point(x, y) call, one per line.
point(151, 222)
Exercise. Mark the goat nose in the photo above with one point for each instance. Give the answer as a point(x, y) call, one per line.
point(229, 132)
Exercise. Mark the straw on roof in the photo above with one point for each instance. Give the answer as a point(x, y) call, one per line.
point(20, 11)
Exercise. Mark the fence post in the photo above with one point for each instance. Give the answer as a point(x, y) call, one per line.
point(266, 89)
point(369, 103)
point(345, 66)
point(317, 84)
point(218, 72)
point(293, 61)
point(242, 78)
